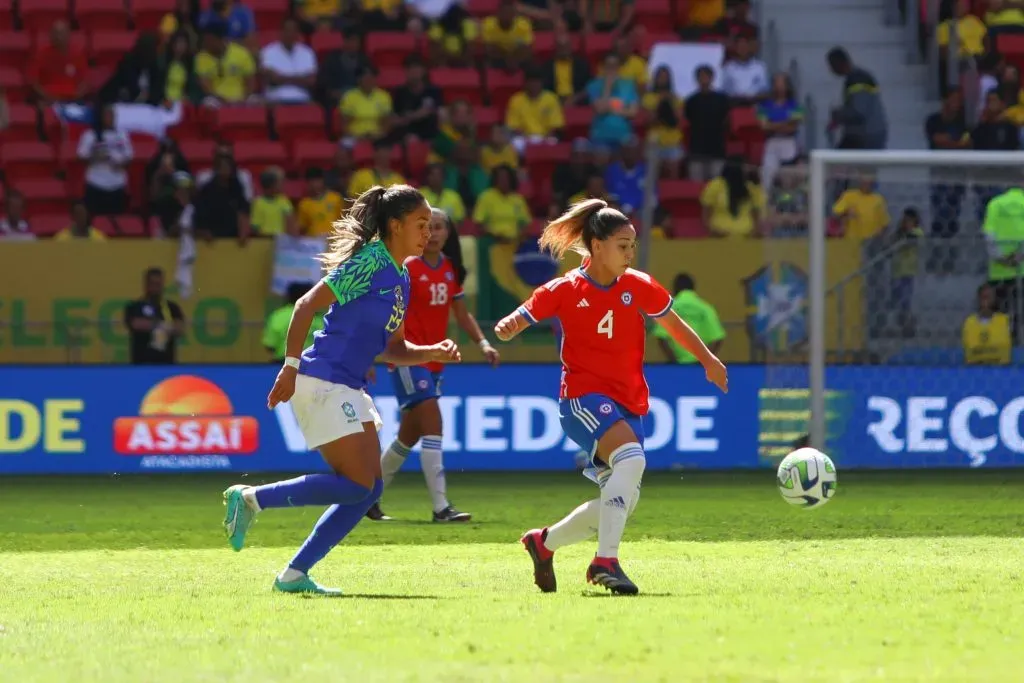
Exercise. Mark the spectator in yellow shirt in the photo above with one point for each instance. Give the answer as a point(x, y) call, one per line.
point(379, 174)
point(441, 197)
point(318, 14)
point(450, 38)
point(704, 14)
point(183, 18)
point(366, 111)
point(733, 206)
point(383, 15)
point(605, 16)
point(498, 151)
point(507, 37)
point(535, 114)
point(272, 213)
point(320, 207)
point(226, 71)
point(81, 227)
point(665, 112)
point(501, 210)
point(970, 32)
point(632, 66)
point(986, 333)
point(1000, 16)
point(862, 210)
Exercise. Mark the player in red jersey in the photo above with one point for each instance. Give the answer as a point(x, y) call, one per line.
point(435, 292)
point(603, 307)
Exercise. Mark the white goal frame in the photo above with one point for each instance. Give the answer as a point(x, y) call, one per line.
point(820, 163)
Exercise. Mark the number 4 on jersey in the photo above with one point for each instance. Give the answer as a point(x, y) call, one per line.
point(606, 326)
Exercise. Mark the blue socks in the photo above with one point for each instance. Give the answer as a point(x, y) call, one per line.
point(311, 489)
point(333, 527)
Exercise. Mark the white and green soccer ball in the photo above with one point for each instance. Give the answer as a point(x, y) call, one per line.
point(807, 478)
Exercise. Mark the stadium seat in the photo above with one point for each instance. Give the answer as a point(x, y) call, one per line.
point(654, 15)
point(264, 38)
point(482, 8)
point(72, 168)
point(735, 148)
point(40, 15)
point(543, 47)
point(308, 153)
point(147, 14)
point(742, 119)
point(596, 47)
point(128, 225)
point(267, 12)
point(15, 49)
point(101, 15)
point(144, 148)
point(541, 160)
point(577, 122)
point(681, 198)
point(299, 122)
point(97, 78)
point(755, 152)
point(28, 160)
point(6, 15)
point(362, 156)
point(501, 86)
point(469, 229)
point(105, 224)
point(48, 225)
point(13, 84)
point(325, 42)
point(23, 124)
point(78, 41)
point(649, 39)
point(391, 78)
point(241, 123)
point(191, 125)
point(389, 48)
point(417, 154)
point(107, 47)
point(295, 190)
point(199, 153)
point(458, 84)
point(257, 156)
point(45, 194)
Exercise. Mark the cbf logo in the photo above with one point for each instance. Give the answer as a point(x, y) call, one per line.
point(627, 298)
point(776, 306)
point(397, 311)
point(349, 410)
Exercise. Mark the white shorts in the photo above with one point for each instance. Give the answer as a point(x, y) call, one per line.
point(327, 412)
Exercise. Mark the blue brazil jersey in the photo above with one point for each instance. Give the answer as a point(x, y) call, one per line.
point(372, 292)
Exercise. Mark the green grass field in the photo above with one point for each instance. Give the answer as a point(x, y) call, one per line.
point(903, 577)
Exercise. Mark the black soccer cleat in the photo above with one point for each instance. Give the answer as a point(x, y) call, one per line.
point(543, 560)
point(607, 572)
point(450, 514)
point(376, 514)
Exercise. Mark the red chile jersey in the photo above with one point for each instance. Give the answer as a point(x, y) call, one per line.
point(432, 290)
point(603, 332)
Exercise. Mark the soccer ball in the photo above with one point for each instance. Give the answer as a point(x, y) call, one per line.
point(807, 478)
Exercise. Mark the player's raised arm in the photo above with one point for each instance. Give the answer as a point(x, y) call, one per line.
point(402, 352)
point(689, 340)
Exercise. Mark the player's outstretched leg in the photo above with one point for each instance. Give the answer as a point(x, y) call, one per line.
point(627, 464)
point(541, 544)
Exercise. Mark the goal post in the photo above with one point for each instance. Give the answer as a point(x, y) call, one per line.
point(979, 412)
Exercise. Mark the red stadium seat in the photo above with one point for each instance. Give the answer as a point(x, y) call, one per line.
point(325, 42)
point(308, 153)
point(541, 160)
point(70, 165)
point(44, 194)
point(6, 15)
point(40, 15)
point(391, 78)
point(48, 225)
point(577, 122)
point(649, 40)
point(681, 198)
point(469, 229)
point(256, 156)
point(486, 119)
point(128, 225)
point(501, 86)
point(596, 47)
point(543, 47)
point(107, 47)
point(144, 148)
point(295, 190)
point(105, 224)
point(654, 15)
point(97, 78)
point(483, 8)
point(755, 152)
point(458, 84)
point(389, 48)
point(741, 119)
point(199, 153)
point(268, 13)
point(15, 49)
point(735, 148)
point(417, 153)
point(101, 15)
point(23, 125)
point(78, 41)
point(147, 14)
point(13, 83)
point(241, 123)
point(362, 156)
point(299, 122)
point(28, 160)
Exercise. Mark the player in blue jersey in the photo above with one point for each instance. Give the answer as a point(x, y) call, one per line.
point(365, 293)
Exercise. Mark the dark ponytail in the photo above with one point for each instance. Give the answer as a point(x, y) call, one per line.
point(584, 222)
point(368, 220)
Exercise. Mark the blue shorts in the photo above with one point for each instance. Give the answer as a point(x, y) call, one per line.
point(414, 385)
point(586, 419)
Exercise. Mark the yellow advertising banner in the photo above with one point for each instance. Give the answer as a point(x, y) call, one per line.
point(64, 302)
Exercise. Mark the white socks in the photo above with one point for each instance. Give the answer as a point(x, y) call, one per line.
point(578, 525)
point(392, 461)
point(627, 463)
point(249, 496)
point(289, 575)
point(431, 462)
point(433, 471)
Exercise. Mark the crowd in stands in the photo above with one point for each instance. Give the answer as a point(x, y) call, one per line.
point(239, 118)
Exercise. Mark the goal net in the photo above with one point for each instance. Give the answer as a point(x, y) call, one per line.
point(865, 320)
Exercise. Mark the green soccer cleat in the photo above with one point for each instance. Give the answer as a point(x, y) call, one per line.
point(238, 517)
point(306, 586)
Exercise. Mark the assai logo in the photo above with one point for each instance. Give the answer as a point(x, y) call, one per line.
point(776, 306)
point(186, 415)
